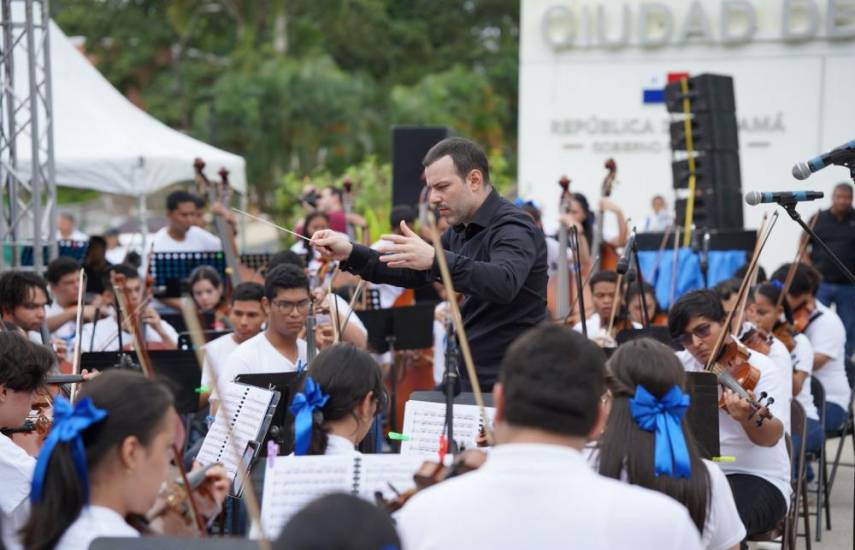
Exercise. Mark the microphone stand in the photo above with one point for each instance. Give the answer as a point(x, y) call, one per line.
point(580, 290)
point(790, 207)
point(704, 260)
point(450, 380)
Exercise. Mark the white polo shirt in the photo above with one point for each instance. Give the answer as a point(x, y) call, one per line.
point(16, 471)
point(802, 357)
point(769, 463)
point(92, 523)
point(542, 496)
point(258, 356)
point(828, 337)
point(107, 335)
point(195, 240)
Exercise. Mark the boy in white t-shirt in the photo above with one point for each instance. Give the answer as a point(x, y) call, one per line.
point(827, 336)
point(63, 277)
point(760, 473)
point(23, 366)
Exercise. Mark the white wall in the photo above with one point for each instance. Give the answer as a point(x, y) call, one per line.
point(582, 102)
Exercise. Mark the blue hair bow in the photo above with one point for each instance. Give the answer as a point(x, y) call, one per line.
point(664, 416)
point(68, 423)
point(302, 407)
point(777, 284)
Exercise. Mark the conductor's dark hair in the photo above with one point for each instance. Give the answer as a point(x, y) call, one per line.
point(358, 525)
point(697, 303)
point(15, 289)
point(626, 449)
point(805, 280)
point(60, 267)
point(23, 364)
point(346, 374)
point(553, 378)
point(465, 154)
point(284, 277)
point(603, 277)
point(727, 288)
point(136, 407)
point(248, 292)
point(179, 197)
point(285, 257)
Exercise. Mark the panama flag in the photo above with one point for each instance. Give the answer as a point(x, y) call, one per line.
point(654, 91)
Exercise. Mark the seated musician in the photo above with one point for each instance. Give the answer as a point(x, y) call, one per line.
point(342, 394)
point(63, 277)
point(23, 297)
point(247, 317)
point(103, 334)
point(206, 288)
point(535, 489)
point(279, 348)
point(764, 312)
point(23, 366)
point(654, 314)
point(314, 221)
point(604, 292)
point(760, 473)
point(827, 335)
point(127, 426)
point(182, 234)
point(354, 330)
point(645, 374)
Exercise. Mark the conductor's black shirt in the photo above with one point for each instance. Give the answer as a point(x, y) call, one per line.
point(498, 262)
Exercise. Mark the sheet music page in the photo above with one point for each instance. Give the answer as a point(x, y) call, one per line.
point(249, 405)
point(291, 482)
point(378, 472)
point(424, 422)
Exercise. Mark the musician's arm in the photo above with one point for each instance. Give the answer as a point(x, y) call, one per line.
point(820, 360)
point(623, 230)
point(365, 262)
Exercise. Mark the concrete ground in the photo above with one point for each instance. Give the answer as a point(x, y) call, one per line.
point(842, 502)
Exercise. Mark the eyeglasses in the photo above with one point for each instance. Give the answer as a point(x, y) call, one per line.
point(701, 331)
point(286, 306)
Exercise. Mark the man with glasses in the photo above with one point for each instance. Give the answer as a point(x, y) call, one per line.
point(759, 474)
point(286, 303)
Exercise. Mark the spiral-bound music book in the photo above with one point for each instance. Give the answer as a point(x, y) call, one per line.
point(291, 482)
point(424, 423)
point(252, 410)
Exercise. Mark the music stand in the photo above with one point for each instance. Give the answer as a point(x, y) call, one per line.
point(256, 262)
point(702, 414)
point(185, 342)
point(173, 543)
point(398, 328)
point(170, 270)
point(176, 320)
point(464, 398)
point(287, 384)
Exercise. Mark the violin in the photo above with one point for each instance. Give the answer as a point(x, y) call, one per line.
point(758, 340)
point(432, 472)
point(802, 317)
point(737, 375)
point(786, 334)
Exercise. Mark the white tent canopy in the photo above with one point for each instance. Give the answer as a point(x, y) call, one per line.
point(104, 142)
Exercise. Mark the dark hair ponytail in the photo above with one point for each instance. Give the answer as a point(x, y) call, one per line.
point(346, 374)
point(772, 292)
point(135, 407)
point(626, 448)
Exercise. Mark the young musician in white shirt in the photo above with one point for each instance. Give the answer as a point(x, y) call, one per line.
point(23, 366)
point(181, 233)
point(63, 277)
point(23, 297)
point(760, 473)
point(645, 375)
point(536, 489)
point(827, 335)
point(604, 292)
point(339, 399)
point(126, 426)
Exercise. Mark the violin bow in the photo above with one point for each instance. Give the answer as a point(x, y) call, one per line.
point(457, 319)
point(791, 272)
point(752, 279)
point(582, 286)
point(78, 323)
point(660, 253)
point(118, 281)
point(615, 303)
point(191, 319)
point(743, 288)
point(580, 290)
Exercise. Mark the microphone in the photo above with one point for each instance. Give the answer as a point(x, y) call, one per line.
point(753, 198)
point(623, 262)
point(840, 155)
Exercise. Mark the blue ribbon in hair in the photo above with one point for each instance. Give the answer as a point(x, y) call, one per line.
point(777, 284)
point(302, 407)
point(68, 423)
point(664, 416)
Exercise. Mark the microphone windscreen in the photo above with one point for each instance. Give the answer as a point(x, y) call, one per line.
point(753, 198)
point(801, 171)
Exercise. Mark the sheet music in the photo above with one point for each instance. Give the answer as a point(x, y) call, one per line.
point(291, 482)
point(424, 422)
point(249, 406)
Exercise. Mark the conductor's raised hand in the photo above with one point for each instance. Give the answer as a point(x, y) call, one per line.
point(332, 244)
point(407, 250)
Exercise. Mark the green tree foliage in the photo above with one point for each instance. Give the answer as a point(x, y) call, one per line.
point(312, 88)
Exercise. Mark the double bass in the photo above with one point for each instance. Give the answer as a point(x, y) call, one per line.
point(607, 252)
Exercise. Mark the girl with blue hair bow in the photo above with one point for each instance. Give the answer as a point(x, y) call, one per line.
point(647, 441)
point(335, 408)
point(105, 459)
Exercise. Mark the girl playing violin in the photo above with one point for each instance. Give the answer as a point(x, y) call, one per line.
point(338, 401)
point(645, 374)
point(105, 459)
point(206, 287)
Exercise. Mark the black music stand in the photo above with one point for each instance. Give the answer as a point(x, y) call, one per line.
point(185, 342)
point(398, 328)
point(256, 262)
point(287, 384)
point(176, 320)
point(170, 270)
point(702, 414)
point(159, 542)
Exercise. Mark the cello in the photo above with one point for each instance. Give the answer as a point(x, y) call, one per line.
point(607, 252)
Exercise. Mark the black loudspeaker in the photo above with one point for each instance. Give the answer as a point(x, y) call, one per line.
point(713, 170)
point(714, 209)
point(707, 92)
point(714, 131)
point(410, 144)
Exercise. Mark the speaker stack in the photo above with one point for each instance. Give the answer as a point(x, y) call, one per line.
point(409, 146)
point(714, 148)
